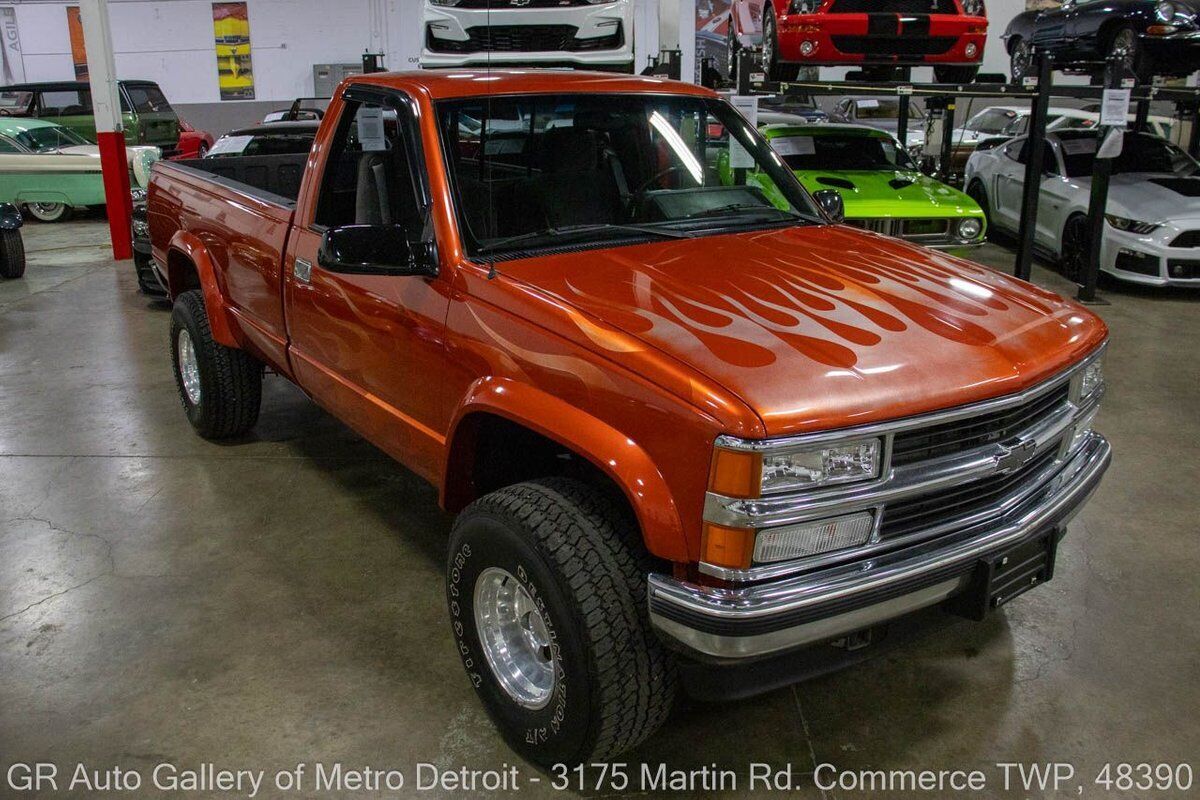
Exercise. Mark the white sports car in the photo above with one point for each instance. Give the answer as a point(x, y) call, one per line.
point(1152, 234)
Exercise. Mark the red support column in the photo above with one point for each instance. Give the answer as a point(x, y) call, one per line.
point(115, 167)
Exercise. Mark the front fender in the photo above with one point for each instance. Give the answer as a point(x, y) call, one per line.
point(190, 247)
point(614, 453)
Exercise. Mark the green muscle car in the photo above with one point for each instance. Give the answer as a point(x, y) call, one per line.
point(881, 186)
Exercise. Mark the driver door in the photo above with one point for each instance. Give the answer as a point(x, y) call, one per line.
point(369, 347)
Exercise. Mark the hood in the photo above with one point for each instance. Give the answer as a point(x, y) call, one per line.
point(1152, 197)
point(821, 327)
point(900, 193)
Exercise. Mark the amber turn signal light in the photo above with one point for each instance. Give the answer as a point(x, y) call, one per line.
point(732, 548)
point(735, 473)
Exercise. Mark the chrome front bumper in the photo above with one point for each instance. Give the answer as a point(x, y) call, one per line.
point(768, 618)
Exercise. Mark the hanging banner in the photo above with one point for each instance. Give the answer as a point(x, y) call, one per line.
point(78, 48)
point(12, 69)
point(231, 33)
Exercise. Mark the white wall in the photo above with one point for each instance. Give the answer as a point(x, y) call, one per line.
point(171, 41)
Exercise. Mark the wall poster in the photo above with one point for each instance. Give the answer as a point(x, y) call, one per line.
point(78, 48)
point(231, 34)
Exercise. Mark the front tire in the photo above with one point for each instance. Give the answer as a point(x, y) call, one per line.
point(1076, 248)
point(955, 74)
point(1020, 60)
point(547, 596)
point(979, 194)
point(12, 254)
point(49, 212)
point(220, 387)
point(1126, 47)
point(776, 70)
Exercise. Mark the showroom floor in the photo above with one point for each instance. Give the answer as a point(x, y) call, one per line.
point(279, 600)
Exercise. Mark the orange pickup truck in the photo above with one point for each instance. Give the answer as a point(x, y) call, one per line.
point(697, 434)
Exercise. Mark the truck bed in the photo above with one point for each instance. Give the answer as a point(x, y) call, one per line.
point(278, 177)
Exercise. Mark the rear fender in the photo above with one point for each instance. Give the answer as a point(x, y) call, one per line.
point(614, 453)
point(190, 247)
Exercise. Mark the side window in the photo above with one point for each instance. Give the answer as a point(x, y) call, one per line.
point(1049, 161)
point(147, 99)
point(8, 146)
point(65, 103)
point(1016, 151)
point(369, 177)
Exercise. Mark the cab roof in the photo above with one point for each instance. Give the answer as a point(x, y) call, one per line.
point(444, 84)
point(11, 125)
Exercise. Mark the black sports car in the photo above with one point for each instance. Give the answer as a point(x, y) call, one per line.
point(1151, 37)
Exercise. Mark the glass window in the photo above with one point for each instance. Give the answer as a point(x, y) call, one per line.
point(147, 99)
point(65, 103)
point(1140, 153)
point(9, 146)
point(994, 121)
point(15, 103)
point(602, 165)
point(49, 137)
point(369, 176)
point(841, 151)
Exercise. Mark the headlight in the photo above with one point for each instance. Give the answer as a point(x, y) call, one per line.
point(1091, 380)
point(1131, 225)
point(1165, 11)
point(813, 538)
point(973, 8)
point(969, 229)
point(821, 465)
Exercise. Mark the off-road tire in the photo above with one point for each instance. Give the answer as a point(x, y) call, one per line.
point(12, 254)
point(577, 551)
point(230, 379)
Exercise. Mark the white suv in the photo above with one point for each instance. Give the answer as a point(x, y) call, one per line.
point(591, 33)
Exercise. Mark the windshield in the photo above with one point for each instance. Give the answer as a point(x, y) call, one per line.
point(992, 121)
point(838, 152)
point(883, 108)
point(50, 137)
point(1140, 153)
point(531, 169)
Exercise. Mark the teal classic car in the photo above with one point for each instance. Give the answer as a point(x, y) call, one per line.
point(881, 186)
point(51, 170)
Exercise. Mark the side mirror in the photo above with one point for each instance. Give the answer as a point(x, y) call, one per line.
point(375, 250)
point(831, 202)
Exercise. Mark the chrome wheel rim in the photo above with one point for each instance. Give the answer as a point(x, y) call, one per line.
point(1124, 47)
point(46, 211)
point(515, 639)
point(189, 367)
point(1020, 61)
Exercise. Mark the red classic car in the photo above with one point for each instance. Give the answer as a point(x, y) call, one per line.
point(879, 35)
point(193, 143)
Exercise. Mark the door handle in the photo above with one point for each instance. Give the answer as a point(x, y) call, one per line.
point(302, 270)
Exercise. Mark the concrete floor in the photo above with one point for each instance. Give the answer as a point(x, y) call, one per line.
point(280, 600)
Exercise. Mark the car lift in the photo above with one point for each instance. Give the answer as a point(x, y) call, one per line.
point(1035, 90)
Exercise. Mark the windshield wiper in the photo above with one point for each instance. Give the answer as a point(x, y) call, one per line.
point(581, 230)
point(740, 208)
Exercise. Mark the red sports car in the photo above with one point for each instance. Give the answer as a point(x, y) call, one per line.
point(878, 35)
point(193, 143)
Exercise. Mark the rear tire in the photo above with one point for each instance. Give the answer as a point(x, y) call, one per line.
point(571, 556)
point(12, 254)
point(220, 387)
point(955, 74)
point(49, 212)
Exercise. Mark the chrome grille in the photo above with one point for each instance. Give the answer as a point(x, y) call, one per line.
point(957, 502)
point(948, 438)
point(922, 230)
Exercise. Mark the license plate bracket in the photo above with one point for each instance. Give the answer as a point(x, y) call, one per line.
point(1007, 575)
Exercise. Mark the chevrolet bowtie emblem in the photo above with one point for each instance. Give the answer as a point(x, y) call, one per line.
point(1015, 455)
